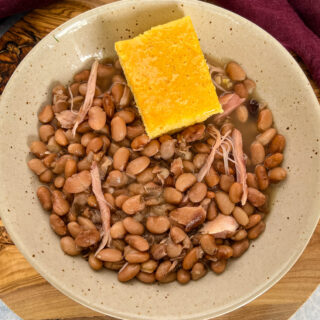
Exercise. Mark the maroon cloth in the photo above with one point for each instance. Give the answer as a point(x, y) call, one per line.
point(280, 19)
point(10, 7)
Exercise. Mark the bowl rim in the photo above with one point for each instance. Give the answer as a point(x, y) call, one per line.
point(120, 313)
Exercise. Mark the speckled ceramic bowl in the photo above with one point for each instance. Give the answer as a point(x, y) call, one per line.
point(296, 205)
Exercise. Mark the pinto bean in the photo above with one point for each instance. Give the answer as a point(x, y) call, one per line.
point(128, 272)
point(256, 197)
point(57, 225)
point(235, 71)
point(149, 266)
point(157, 224)
point(76, 149)
point(197, 192)
point(128, 115)
point(162, 270)
point(137, 165)
point(235, 192)
point(86, 223)
point(212, 211)
point(110, 255)
point(45, 132)
point(265, 137)
point(59, 182)
point(134, 131)
point(77, 183)
point(242, 114)
point(83, 127)
point(87, 238)
point(37, 166)
point(119, 201)
point(224, 203)
point(273, 161)
point(139, 142)
point(240, 235)
point(201, 147)
point(224, 252)
point(252, 181)
point(172, 195)
point(118, 231)
point(255, 232)
point(177, 234)
point(226, 182)
point(199, 160)
point(61, 138)
point(97, 118)
point(278, 144)
point(262, 177)
point(117, 178)
point(46, 114)
point(188, 166)
point(198, 271)
point(133, 226)
point(118, 129)
point(265, 120)
point(253, 221)
point(192, 257)
point(277, 174)
point(158, 251)
point(174, 250)
point(70, 168)
point(185, 181)
point(240, 247)
point(146, 277)
point(46, 176)
point(44, 196)
point(183, 276)
point(219, 266)
point(135, 256)
point(208, 244)
point(241, 216)
point(95, 263)
point(241, 90)
point(59, 204)
point(151, 149)
point(94, 145)
point(167, 149)
point(38, 148)
point(69, 246)
point(212, 178)
point(74, 228)
point(257, 152)
point(133, 205)
point(120, 158)
point(248, 208)
point(137, 242)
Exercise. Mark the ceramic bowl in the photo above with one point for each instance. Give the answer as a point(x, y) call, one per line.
point(223, 36)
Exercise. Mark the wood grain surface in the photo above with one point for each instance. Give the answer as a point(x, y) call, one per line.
point(32, 297)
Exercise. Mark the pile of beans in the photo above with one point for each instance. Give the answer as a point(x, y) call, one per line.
point(158, 208)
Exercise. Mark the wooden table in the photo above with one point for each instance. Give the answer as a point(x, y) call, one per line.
point(32, 297)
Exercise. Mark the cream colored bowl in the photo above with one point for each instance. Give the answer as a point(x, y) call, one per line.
point(224, 36)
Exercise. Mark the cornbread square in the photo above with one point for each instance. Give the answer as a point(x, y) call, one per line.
point(169, 77)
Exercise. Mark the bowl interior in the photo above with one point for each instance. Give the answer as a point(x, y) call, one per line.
point(223, 36)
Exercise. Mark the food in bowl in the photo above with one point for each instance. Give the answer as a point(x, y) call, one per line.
point(161, 209)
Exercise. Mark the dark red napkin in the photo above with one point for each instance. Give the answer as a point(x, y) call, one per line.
point(287, 21)
point(10, 7)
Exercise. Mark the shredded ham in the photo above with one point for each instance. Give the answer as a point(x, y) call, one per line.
point(66, 118)
point(221, 227)
point(206, 167)
point(91, 88)
point(229, 102)
point(240, 163)
point(214, 69)
point(103, 206)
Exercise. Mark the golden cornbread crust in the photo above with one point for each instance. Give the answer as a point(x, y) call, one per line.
point(169, 77)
